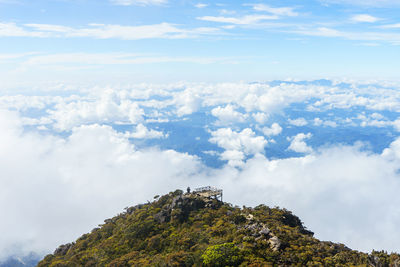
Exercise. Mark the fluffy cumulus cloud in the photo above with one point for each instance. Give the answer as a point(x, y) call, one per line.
point(298, 144)
point(187, 102)
point(110, 107)
point(260, 117)
point(143, 133)
point(238, 144)
point(70, 161)
point(228, 114)
point(275, 129)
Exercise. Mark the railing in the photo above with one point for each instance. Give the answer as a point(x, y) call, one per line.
point(209, 191)
point(207, 188)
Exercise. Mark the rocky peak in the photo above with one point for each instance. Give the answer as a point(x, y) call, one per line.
point(181, 205)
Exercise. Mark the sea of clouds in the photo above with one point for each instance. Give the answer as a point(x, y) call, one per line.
point(327, 150)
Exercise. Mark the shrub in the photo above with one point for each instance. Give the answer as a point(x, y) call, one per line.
point(222, 255)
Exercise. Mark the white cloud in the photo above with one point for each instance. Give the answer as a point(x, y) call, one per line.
point(323, 31)
point(396, 125)
point(238, 144)
point(260, 117)
point(11, 57)
point(22, 102)
point(330, 191)
point(368, 3)
point(390, 26)
point(245, 20)
point(375, 120)
point(328, 123)
point(108, 59)
point(364, 18)
point(279, 11)
point(377, 116)
point(391, 37)
point(49, 28)
point(227, 12)
point(57, 189)
point(298, 144)
point(142, 132)
point(109, 107)
point(104, 31)
point(12, 30)
point(235, 158)
point(393, 151)
point(222, 100)
point(272, 99)
point(318, 122)
point(228, 115)
point(100, 31)
point(245, 141)
point(138, 2)
point(298, 122)
point(201, 5)
point(275, 129)
point(187, 102)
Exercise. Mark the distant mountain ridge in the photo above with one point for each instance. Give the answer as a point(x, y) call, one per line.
point(29, 260)
point(195, 229)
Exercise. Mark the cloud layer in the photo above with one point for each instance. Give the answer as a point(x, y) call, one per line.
point(69, 161)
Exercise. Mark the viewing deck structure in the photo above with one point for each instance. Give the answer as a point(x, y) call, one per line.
point(210, 192)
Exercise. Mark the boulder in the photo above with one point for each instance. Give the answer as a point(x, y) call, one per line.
point(264, 231)
point(63, 249)
point(274, 243)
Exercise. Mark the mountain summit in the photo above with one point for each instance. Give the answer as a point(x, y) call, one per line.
point(198, 229)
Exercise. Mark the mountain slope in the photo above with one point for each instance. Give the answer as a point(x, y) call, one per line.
point(192, 230)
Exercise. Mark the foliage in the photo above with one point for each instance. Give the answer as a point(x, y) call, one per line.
point(226, 254)
point(189, 230)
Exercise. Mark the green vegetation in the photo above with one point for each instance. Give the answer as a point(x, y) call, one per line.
point(226, 254)
point(189, 230)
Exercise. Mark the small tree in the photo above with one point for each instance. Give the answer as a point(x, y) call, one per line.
point(222, 255)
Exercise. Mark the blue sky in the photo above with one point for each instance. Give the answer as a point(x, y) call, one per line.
point(168, 41)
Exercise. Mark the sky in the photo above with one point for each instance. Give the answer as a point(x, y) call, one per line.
point(168, 41)
point(293, 104)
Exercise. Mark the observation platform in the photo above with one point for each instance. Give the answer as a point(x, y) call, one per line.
point(209, 192)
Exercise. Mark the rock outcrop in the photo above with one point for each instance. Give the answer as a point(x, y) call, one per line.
point(181, 206)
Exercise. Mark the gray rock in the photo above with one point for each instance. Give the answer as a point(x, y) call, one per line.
point(63, 249)
point(251, 227)
point(274, 243)
point(264, 231)
point(162, 216)
point(250, 217)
